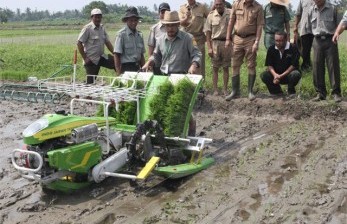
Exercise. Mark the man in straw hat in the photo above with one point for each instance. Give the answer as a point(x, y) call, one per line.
point(129, 47)
point(91, 43)
point(276, 17)
point(247, 20)
point(175, 50)
point(157, 31)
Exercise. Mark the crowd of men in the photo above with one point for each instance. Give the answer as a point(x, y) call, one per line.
point(176, 44)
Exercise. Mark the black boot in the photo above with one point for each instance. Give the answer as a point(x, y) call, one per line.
point(251, 81)
point(235, 87)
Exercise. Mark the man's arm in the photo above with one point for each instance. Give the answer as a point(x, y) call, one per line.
point(150, 50)
point(83, 54)
point(109, 46)
point(209, 43)
point(195, 58)
point(297, 21)
point(257, 38)
point(117, 63)
point(151, 41)
point(338, 31)
point(184, 16)
point(230, 29)
point(153, 60)
point(81, 50)
point(142, 60)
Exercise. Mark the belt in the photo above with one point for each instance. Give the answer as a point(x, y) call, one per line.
point(244, 36)
point(220, 39)
point(324, 37)
point(131, 64)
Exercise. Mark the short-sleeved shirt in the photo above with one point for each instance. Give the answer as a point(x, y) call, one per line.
point(247, 19)
point(344, 19)
point(199, 12)
point(281, 62)
point(303, 9)
point(129, 45)
point(177, 55)
point(323, 21)
point(275, 18)
point(218, 24)
point(93, 39)
point(155, 32)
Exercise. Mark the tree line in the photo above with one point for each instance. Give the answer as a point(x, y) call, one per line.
point(112, 13)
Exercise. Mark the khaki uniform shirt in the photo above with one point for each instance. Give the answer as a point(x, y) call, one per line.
point(176, 55)
point(218, 24)
point(199, 13)
point(302, 11)
point(275, 18)
point(156, 31)
point(324, 21)
point(93, 39)
point(247, 19)
point(344, 19)
point(129, 45)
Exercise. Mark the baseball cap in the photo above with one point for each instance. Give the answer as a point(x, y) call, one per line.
point(95, 12)
point(164, 6)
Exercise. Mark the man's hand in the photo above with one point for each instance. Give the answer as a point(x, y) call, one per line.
point(147, 66)
point(336, 37)
point(277, 78)
point(295, 36)
point(188, 13)
point(227, 43)
point(87, 61)
point(193, 68)
point(210, 52)
point(255, 47)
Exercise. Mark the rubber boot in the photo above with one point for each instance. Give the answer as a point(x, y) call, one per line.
point(251, 81)
point(235, 87)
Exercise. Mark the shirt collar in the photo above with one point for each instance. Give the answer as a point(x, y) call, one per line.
point(93, 25)
point(129, 31)
point(326, 5)
point(160, 24)
point(243, 2)
point(215, 12)
point(179, 35)
point(196, 4)
point(286, 47)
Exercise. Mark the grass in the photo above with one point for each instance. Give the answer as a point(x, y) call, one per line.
point(26, 51)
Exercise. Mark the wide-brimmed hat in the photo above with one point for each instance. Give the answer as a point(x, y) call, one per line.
point(131, 12)
point(280, 2)
point(170, 17)
point(164, 6)
point(95, 12)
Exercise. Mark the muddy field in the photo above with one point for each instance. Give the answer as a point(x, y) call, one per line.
point(277, 161)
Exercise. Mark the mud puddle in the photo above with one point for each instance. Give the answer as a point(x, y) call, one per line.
point(276, 162)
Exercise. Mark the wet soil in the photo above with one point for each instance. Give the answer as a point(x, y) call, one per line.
point(277, 161)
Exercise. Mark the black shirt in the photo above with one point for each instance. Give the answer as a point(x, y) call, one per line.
point(281, 64)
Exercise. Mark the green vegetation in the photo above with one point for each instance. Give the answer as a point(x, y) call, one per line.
point(177, 107)
point(161, 98)
point(126, 113)
point(111, 13)
point(34, 51)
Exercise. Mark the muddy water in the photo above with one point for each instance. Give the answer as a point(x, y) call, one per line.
point(276, 162)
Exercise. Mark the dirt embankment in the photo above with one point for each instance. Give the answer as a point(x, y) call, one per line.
point(277, 161)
